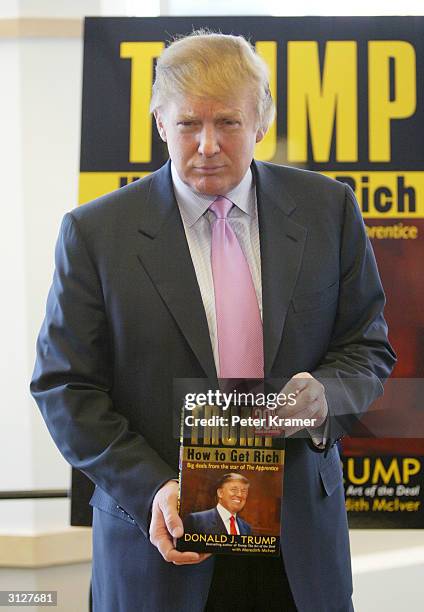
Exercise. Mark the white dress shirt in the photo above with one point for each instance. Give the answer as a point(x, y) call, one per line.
point(225, 516)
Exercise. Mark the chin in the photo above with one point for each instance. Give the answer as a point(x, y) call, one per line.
point(210, 185)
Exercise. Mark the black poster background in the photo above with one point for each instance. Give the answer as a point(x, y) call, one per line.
point(105, 149)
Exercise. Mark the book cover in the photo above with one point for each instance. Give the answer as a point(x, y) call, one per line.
point(231, 480)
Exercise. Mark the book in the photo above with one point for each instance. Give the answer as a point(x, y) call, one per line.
point(230, 480)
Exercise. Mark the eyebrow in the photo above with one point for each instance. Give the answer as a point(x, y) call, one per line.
point(225, 115)
point(183, 116)
point(187, 116)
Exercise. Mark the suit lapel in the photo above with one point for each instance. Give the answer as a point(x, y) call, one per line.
point(240, 526)
point(218, 523)
point(164, 254)
point(282, 244)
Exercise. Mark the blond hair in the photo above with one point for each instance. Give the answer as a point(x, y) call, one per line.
point(213, 65)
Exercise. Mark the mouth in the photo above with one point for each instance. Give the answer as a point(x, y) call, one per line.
point(236, 500)
point(208, 169)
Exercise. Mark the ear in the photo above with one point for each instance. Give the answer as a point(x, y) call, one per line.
point(219, 493)
point(160, 124)
point(260, 134)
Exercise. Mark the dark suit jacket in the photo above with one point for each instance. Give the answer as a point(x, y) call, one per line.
point(125, 317)
point(210, 521)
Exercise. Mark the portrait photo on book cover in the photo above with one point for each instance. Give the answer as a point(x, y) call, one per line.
point(232, 502)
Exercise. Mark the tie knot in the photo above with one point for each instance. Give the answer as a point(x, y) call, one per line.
point(221, 207)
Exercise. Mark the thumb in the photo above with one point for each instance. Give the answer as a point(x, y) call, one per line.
point(172, 519)
point(174, 524)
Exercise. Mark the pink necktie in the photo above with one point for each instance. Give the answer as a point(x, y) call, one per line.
point(240, 338)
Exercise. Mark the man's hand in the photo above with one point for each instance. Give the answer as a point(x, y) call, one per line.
point(310, 402)
point(166, 525)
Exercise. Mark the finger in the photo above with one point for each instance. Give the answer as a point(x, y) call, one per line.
point(301, 380)
point(312, 392)
point(165, 546)
point(172, 519)
point(308, 413)
point(294, 388)
point(303, 375)
point(170, 554)
point(316, 412)
point(168, 507)
point(202, 557)
point(294, 385)
point(300, 404)
point(158, 528)
point(157, 524)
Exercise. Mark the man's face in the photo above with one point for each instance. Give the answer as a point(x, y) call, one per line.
point(233, 495)
point(210, 142)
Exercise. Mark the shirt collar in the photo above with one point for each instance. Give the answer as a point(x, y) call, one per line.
point(193, 204)
point(224, 513)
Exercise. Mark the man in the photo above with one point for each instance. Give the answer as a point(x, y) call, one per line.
point(213, 266)
point(231, 492)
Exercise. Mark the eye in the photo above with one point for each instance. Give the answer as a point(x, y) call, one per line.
point(187, 124)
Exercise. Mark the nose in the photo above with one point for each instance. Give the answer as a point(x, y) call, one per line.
point(208, 141)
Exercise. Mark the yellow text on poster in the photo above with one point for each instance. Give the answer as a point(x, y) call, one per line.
point(388, 194)
point(322, 103)
point(92, 185)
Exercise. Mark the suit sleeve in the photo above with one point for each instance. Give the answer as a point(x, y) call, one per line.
point(72, 382)
point(359, 358)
